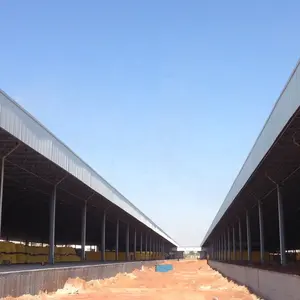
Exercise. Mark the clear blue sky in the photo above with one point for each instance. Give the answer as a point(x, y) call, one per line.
point(163, 98)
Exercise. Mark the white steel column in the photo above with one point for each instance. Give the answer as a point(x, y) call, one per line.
point(117, 241)
point(281, 226)
point(127, 243)
point(225, 247)
point(240, 241)
point(146, 246)
point(261, 232)
point(83, 231)
point(233, 242)
point(134, 244)
point(141, 244)
point(52, 227)
point(103, 247)
point(2, 183)
point(229, 244)
point(249, 246)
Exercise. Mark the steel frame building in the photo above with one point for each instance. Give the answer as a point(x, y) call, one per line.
point(49, 195)
point(261, 212)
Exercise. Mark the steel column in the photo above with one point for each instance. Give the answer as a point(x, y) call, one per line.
point(141, 246)
point(233, 243)
point(146, 245)
point(281, 226)
point(134, 244)
point(83, 231)
point(2, 183)
point(103, 247)
point(261, 232)
point(229, 244)
point(127, 243)
point(117, 241)
point(150, 247)
point(249, 245)
point(52, 227)
point(225, 247)
point(240, 241)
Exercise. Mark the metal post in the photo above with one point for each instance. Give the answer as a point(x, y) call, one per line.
point(134, 244)
point(141, 244)
point(103, 248)
point(240, 240)
point(117, 242)
point(1, 192)
point(233, 243)
point(83, 231)
point(225, 247)
point(127, 243)
point(281, 226)
point(52, 227)
point(146, 246)
point(2, 183)
point(249, 246)
point(261, 232)
point(150, 247)
point(229, 244)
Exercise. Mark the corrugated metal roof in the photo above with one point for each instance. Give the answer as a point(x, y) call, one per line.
point(285, 107)
point(18, 122)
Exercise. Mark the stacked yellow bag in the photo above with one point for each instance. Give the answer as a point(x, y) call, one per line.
point(21, 255)
point(93, 255)
point(7, 253)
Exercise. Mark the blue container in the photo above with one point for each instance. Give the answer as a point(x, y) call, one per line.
point(163, 268)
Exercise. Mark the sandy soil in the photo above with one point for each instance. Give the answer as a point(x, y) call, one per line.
point(189, 280)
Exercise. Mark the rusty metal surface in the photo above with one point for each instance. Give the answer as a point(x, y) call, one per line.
point(32, 282)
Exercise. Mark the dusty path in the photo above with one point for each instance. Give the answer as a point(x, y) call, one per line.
point(189, 280)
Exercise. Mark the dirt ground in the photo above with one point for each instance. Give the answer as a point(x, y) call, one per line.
point(189, 280)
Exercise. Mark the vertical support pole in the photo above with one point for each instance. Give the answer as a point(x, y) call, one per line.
point(229, 244)
point(225, 247)
point(146, 246)
point(1, 192)
point(261, 232)
point(240, 240)
point(281, 226)
point(127, 243)
point(117, 241)
point(141, 243)
point(134, 244)
point(249, 246)
point(150, 247)
point(103, 247)
point(83, 231)
point(233, 243)
point(52, 227)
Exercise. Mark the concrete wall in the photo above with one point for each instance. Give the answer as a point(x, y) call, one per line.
point(267, 284)
point(18, 283)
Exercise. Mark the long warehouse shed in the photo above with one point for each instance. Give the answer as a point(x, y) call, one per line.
point(258, 222)
point(49, 195)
